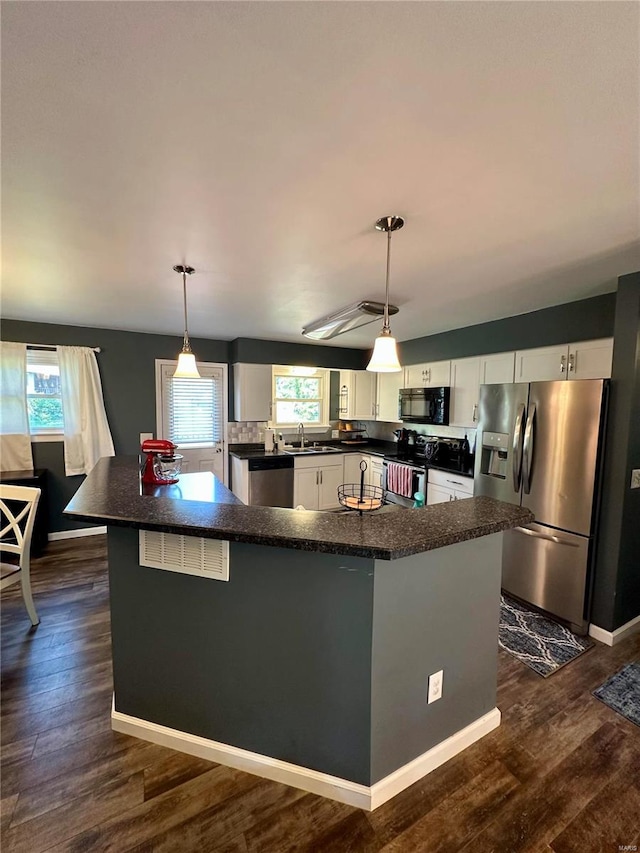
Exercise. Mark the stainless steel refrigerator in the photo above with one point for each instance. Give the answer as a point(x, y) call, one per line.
point(540, 445)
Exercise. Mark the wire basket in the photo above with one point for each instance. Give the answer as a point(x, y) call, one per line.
point(362, 498)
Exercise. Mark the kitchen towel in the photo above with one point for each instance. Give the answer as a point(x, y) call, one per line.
point(399, 479)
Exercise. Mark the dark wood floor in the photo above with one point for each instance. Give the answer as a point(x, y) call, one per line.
point(562, 773)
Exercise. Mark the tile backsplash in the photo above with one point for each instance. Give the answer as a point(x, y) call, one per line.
point(252, 432)
point(246, 432)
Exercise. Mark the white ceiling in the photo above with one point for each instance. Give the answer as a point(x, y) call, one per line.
point(260, 141)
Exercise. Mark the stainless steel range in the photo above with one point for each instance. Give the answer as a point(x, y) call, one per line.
point(402, 481)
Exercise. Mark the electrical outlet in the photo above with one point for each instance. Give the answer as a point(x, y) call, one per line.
point(145, 435)
point(435, 687)
point(635, 478)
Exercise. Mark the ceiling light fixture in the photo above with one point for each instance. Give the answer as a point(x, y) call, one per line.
point(187, 368)
point(385, 355)
point(346, 319)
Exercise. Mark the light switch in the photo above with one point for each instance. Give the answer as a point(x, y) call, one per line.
point(635, 478)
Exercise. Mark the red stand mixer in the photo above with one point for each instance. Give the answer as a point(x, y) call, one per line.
point(162, 465)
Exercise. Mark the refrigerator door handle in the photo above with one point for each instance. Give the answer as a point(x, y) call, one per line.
point(517, 448)
point(546, 536)
point(527, 449)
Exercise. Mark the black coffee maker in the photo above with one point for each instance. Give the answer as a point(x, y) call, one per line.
point(405, 439)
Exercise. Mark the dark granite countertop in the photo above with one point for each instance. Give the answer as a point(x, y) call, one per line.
point(111, 494)
point(388, 450)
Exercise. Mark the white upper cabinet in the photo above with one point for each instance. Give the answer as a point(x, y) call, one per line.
point(389, 385)
point(590, 359)
point(357, 395)
point(497, 369)
point(583, 360)
point(465, 390)
point(252, 392)
point(432, 374)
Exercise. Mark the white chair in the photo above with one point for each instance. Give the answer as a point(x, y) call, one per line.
point(18, 517)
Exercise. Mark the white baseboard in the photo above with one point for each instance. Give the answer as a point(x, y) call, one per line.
point(612, 638)
point(353, 794)
point(75, 534)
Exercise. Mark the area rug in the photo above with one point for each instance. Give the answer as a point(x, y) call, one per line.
point(540, 643)
point(622, 692)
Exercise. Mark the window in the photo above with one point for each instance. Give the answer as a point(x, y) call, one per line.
point(44, 398)
point(193, 408)
point(300, 396)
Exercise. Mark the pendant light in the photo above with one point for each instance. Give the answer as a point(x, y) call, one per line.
point(187, 368)
point(385, 355)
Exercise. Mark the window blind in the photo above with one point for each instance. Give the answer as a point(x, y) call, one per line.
point(194, 408)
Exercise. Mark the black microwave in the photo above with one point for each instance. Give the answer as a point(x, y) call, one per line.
point(425, 405)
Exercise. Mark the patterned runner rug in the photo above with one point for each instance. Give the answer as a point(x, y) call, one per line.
point(622, 692)
point(538, 642)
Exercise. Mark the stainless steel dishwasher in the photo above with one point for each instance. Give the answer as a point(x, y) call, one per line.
point(271, 482)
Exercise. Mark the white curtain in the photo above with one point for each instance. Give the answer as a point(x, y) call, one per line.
point(86, 430)
point(15, 442)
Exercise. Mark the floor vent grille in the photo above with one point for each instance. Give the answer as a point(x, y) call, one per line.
point(192, 555)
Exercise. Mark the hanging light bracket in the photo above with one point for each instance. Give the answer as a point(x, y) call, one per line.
point(186, 360)
point(385, 357)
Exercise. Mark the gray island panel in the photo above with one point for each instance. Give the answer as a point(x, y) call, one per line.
point(433, 611)
point(276, 661)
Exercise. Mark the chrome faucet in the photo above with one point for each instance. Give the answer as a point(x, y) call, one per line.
point(301, 433)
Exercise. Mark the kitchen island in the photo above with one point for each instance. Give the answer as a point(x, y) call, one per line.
point(306, 657)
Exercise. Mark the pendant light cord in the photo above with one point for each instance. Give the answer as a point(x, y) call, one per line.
point(186, 346)
point(386, 329)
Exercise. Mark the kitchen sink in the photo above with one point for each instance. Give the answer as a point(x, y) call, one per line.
point(295, 451)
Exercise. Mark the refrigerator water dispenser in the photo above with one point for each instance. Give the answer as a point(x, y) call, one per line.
point(495, 454)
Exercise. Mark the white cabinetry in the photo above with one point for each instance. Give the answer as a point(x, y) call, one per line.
point(352, 467)
point(240, 478)
point(376, 471)
point(497, 369)
point(443, 486)
point(465, 389)
point(388, 392)
point(252, 385)
point(582, 360)
point(432, 374)
point(357, 395)
point(315, 482)
point(590, 359)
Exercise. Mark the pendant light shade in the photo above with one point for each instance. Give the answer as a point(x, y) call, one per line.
point(385, 355)
point(384, 358)
point(187, 368)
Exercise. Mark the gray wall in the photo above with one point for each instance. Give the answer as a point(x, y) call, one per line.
point(584, 320)
point(127, 368)
point(276, 661)
point(617, 578)
point(438, 610)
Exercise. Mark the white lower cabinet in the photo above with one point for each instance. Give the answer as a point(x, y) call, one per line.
point(315, 484)
point(240, 478)
point(443, 486)
point(352, 467)
point(373, 474)
point(376, 471)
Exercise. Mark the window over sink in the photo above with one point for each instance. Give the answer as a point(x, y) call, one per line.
point(300, 395)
